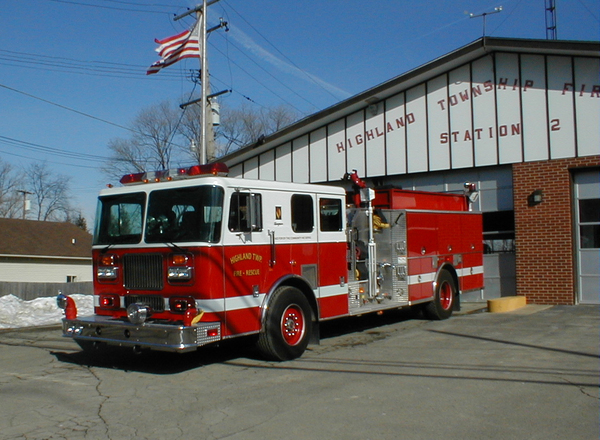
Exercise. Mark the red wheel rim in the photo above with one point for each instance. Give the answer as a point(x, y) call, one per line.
point(292, 324)
point(446, 296)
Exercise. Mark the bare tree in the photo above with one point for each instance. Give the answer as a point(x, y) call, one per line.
point(78, 220)
point(49, 193)
point(247, 124)
point(277, 118)
point(191, 130)
point(151, 145)
point(164, 137)
point(238, 127)
point(11, 202)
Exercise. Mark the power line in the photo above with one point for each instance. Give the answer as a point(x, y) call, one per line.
point(122, 2)
point(67, 108)
point(128, 71)
point(310, 77)
point(271, 75)
point(50, 161)
point(590, 11)
point(262, 84)
point(74, 111)
point(93, 67)
point(113, 70)
point(51, 150)
point(78, 3)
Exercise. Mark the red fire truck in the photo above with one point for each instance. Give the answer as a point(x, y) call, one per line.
point(188, 257)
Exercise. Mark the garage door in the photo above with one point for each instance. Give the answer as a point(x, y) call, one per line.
point(587, 216)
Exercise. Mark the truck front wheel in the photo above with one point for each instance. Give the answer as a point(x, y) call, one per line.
point(445, 294)
point(286, 330)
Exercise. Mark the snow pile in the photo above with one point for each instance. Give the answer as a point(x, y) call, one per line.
point(16, 313)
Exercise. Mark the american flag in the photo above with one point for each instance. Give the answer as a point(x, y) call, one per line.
point(173, 49)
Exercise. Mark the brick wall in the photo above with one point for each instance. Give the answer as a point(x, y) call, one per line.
point(544, 234)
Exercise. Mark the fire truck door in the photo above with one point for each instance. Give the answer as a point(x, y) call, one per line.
point(332, 258)
point(245, 263)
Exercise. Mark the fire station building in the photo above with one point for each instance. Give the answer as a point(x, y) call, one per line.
point(520, 118)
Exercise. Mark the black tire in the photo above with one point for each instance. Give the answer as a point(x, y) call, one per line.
point(286, 330)
point(444, 299)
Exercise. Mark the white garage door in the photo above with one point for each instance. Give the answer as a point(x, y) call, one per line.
point(587, 216)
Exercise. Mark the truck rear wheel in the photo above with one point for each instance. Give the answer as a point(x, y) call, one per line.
point(286, 330)
point(445, 294)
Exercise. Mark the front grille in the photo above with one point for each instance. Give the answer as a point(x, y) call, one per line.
point(143, 271)
point(155, 302)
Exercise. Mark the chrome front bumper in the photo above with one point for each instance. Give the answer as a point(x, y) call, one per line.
point(163, 337)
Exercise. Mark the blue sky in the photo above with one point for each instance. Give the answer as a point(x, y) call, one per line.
point(72, 72)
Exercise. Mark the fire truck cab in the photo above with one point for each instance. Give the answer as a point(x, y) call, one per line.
point(188, 257)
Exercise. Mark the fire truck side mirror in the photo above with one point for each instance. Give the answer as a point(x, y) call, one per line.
point(255, 212)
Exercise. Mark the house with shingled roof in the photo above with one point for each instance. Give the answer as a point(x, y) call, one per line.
point(44, 252)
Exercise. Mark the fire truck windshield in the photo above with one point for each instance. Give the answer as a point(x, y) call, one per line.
point(185, 214)
point(172, 215)
point(119, 219)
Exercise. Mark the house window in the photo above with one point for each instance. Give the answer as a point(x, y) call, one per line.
point(71, 278)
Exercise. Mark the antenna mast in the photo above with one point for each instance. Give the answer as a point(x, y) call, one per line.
point(551, 31)
point(485, 14)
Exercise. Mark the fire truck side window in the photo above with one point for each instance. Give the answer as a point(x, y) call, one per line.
point(303, 218)
point(330, 214)
point(119, 219)
point(245, 212)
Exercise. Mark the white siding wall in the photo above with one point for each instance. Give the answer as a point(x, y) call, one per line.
point(497, 110)
point(44, 272)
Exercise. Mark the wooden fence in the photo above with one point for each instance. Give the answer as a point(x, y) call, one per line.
point(29, 291)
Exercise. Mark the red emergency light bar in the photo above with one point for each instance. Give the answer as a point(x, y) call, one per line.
point(215, 169)
point(132, 178)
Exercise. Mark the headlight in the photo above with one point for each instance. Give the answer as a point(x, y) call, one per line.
point(180, 267)
point(179, 273)
point(107, 273)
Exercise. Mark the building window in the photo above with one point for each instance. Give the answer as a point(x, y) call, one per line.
point(499, 232)
point(589, 223)
point(71, 278)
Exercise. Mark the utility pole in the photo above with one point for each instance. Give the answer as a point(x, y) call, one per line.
point(204, 79)
point(207, 134)
point(22, 191)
